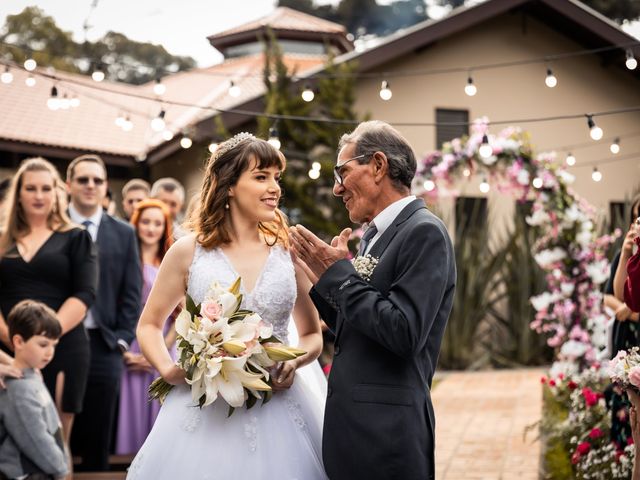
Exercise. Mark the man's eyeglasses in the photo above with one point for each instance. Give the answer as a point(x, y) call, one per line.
point(337, 176)
point(97, 181)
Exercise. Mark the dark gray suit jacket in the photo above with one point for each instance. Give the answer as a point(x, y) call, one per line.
point(379, 421)
point(118, 303)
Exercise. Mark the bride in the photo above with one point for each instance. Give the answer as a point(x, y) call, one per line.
point(237, 231)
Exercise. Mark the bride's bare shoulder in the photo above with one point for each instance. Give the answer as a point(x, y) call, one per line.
point(181, 252)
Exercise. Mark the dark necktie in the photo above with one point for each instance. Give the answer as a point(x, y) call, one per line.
point(87, 224)
point(366, 238)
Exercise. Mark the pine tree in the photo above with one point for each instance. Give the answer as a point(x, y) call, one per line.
point(305, 200)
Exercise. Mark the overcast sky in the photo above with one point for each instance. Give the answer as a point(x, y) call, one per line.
point(181, 26)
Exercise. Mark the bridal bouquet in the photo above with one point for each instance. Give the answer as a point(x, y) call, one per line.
point(624, 368)
point(225, 351)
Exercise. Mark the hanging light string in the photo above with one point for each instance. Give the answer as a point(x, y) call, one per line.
point(579, 146)
point(603, 161)
point(546, 59)
point(273, 116)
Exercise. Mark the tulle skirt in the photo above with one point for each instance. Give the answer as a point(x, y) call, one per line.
point(281, 439)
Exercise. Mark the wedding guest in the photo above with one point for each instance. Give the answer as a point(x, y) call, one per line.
point(171, 192)
point(152, 222)
point(4, 189)
point(45, 257)
point(31, 443)
point(626, 329)
point(112, 319)
point(133, 192)
point(108, 203)
point(634, 419)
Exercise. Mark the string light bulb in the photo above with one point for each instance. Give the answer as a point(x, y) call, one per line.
point(615, 146)
point(234, 90)
point(127, 125)
point(53, 102)
point(30, 81)
point(537, 182)
point(119, 121)
point(65, 103)
point(314, 174)
point(484, 186)
point(97, 74)
point(213, 146)
point(316, 166)
point(550, 81)
point(307, 94)
point(167, 135)
point(631, 61)
point(273, 137)
point(7, 76)
point(596, 175)
point(466, 172)
point(385, 91)
point(186, 142)
point(30, 64)
point(159, 88)
point(429, 185)
point(485, 149)
point(470, 89)
point(158, 123)
point(571, 160)
point(594, 131)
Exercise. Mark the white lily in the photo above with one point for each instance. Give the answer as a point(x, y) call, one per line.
point(183, 322)
point(227, 376)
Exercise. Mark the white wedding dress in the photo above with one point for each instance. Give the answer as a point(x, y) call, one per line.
point(279, 440)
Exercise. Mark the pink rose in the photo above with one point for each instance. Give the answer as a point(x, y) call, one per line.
point(211, 310)
point(634, 376)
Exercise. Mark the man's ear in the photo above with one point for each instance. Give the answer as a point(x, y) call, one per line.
point(380, 166)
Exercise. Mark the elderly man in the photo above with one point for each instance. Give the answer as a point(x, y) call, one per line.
point(388, 310)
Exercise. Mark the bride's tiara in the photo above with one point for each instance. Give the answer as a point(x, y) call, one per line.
point(232, 143)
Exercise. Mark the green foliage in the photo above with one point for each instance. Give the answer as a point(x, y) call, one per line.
point(123, 59)
point(307, 201)
point(617, 10)
point(478, 267)
point(365, 17)
point(513, 340)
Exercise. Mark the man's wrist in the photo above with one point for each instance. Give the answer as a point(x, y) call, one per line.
point(123, 346)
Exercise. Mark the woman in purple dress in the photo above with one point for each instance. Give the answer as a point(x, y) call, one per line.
point(151, 219)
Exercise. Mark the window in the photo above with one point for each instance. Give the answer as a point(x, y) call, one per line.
point(445, 133)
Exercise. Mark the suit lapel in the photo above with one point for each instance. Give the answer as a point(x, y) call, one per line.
point(383, 242)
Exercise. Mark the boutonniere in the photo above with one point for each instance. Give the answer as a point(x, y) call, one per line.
point(365, 265)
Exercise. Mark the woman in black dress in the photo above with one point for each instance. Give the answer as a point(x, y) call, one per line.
point(43, 256)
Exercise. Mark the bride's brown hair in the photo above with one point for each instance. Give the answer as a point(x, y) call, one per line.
point(228, 162)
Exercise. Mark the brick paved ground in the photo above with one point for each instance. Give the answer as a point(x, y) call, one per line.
point(480, 422)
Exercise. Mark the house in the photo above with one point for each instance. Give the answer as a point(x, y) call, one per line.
point(426, 66)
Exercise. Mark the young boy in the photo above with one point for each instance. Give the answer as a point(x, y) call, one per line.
point(31, 444)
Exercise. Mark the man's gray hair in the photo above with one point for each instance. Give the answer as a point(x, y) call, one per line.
point(377, 136)
point(167, 184)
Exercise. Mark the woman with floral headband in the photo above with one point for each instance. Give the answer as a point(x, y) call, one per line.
point(238, 231)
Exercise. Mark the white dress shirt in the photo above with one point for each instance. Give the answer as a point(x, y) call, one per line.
point(77, 217)
point(386, 217)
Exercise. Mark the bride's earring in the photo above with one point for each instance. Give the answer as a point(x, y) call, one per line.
point(226, 206)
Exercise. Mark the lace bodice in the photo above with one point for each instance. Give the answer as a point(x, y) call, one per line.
point(272, 297)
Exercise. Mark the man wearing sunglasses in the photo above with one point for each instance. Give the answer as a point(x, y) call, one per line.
point(112, 319)
point(388, 318)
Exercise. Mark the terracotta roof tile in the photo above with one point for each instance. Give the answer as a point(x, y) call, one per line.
point(283, 18)
point(91, 127)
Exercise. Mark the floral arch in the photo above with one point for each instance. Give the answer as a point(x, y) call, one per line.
point(570, 311)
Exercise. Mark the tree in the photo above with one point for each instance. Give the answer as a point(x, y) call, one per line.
point(307, 201)
point(617, 10)
point(365, 17)
point(35, 33)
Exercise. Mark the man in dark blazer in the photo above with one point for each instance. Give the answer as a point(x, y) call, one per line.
point(112, 320)
point(388, 310)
